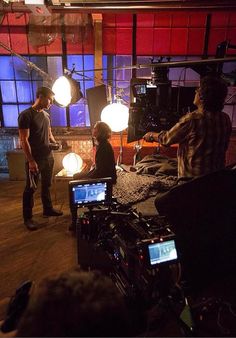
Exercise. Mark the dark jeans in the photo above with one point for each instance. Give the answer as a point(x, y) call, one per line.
point(45, 170)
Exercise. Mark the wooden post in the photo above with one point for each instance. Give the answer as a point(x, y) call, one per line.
point(97, 22)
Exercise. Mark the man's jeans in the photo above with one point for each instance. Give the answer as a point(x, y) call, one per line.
point(45, 170)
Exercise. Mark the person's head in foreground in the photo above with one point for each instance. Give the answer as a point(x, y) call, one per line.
point(75, 304)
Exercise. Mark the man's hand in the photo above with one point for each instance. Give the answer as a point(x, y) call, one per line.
point(33, 167)
point(150, 137)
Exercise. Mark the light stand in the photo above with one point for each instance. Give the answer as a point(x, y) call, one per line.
point(137, 148)
point(120, 156)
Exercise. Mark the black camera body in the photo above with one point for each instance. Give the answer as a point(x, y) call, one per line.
point(156, 105)
point(137, 252)
point(151, 110)
point(142, 251)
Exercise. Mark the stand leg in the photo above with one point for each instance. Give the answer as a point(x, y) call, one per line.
point(137, 154)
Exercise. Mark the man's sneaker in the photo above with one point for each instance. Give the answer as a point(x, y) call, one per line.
point(30, 224)
point(52, 212)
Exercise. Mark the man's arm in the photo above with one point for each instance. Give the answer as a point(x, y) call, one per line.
point(24, 140)
point(176, 134)
point(51, 137)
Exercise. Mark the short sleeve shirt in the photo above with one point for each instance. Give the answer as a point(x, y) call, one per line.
point(38, 124)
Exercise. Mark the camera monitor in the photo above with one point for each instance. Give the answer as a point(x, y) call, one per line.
point(162, 252)
point(90, 192)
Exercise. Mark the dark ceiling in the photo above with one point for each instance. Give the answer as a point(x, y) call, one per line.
point(114, 5)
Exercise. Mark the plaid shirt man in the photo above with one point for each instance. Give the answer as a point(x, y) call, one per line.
point(203, 139)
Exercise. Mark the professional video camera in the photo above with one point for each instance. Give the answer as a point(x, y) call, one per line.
point(155, 104)
point(138, 252)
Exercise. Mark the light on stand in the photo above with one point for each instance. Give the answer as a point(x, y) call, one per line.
point(67, 91)
point(72, 164)
point(61, 88)
point(116, 115)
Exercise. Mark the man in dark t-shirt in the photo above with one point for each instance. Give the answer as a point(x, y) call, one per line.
point(35, 137)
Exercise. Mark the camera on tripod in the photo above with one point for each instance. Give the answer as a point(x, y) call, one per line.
point(137, 252)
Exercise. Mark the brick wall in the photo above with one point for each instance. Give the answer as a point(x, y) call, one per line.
point(83, 147)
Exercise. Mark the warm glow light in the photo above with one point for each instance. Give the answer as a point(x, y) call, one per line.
point(62, 90)
point(116, 115)
point(67, 91)
point(72, 163)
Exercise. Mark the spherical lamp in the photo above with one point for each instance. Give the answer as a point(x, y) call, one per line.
point(116, 115)
point(72, 163)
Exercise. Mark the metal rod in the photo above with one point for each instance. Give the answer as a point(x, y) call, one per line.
point(29, 63)
point(145, 6)
point(207, 35)
point(174, 64)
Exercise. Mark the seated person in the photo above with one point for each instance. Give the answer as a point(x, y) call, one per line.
point(75, 304)
point(104, 166)
point(104, 159)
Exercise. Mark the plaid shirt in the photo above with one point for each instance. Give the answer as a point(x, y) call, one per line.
point(203, 139)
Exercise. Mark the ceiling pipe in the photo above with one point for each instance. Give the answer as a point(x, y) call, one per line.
point(147, 5)
point(133, 6)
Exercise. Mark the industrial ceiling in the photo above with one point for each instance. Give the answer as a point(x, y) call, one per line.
point(50, 6)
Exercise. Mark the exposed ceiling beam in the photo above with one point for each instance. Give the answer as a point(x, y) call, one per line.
point(122, 5)
point(145, 5)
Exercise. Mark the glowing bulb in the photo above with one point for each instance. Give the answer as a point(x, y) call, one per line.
point(116, 115)
point(62, 90)
point(72, 163)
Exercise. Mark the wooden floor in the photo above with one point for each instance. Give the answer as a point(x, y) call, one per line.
point(27, 255)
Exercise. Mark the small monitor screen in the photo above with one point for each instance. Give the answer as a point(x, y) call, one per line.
point(140, 89)
point(162, 252)
point(90, 193)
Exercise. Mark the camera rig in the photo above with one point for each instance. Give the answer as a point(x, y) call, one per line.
point(156, 104)
point(138, 252)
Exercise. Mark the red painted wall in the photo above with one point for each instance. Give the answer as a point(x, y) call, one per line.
point(160, 33)
point(167, 33)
